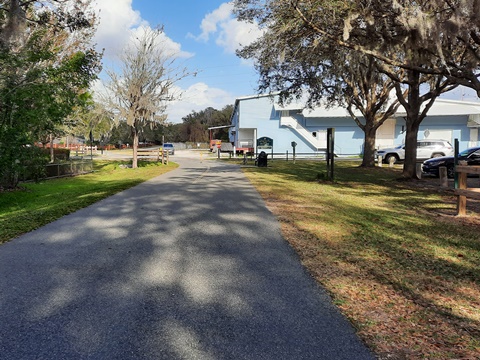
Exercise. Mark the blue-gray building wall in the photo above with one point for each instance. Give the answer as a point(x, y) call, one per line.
point(457, 124)
point(259, 113)
point(349, 138)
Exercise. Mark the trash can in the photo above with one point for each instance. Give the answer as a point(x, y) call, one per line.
point(262, 159)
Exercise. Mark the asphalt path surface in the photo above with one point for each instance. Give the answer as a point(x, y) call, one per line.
point(189, 265)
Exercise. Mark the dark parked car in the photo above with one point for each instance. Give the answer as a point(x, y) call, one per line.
point(471, 156)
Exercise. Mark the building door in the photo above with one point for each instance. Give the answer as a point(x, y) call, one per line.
point(473, 137)
point(321, 136)
point(386, 134)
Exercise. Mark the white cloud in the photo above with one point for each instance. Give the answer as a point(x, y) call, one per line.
point(235, 34)
point(211, 20)
point(119, 24)
point(116, 19)
point(198, 97)
point(230, 33)
point(99, 90)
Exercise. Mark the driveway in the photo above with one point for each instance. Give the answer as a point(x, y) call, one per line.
point(189, 265)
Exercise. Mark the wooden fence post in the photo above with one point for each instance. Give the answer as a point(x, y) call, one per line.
point(418, 169)
point(462, 199)
point(391, 161)
point(442, 173)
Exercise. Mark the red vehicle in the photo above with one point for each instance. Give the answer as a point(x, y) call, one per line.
point(215, 143)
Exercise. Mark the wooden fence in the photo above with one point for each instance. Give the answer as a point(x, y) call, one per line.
point(69, 169)
point(154, 154)
point(149, 154)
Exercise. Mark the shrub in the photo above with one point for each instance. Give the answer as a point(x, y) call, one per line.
point(58, 154)
point(19, 161)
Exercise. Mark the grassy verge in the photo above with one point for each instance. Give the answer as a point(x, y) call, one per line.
point(395, 259)
point(40, 203)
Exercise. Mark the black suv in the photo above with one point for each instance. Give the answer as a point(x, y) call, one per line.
point(471, 156)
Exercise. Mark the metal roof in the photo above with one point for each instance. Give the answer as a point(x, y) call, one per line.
point(440, 107)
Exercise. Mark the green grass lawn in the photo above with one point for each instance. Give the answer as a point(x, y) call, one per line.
point(394, 256)
point(40, 203)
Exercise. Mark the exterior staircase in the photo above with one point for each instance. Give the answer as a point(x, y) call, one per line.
point(318, 142)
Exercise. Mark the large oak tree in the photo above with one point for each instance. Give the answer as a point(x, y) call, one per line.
point(425, 47)
point(295, 65)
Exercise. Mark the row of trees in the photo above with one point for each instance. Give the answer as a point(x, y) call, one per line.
point(359, 53)
point(193, 128)
point(195, 125)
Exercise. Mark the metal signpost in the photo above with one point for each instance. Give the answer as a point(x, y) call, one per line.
point(91, 146)
point(330, 153)
point(455, 162)
point(294, 145)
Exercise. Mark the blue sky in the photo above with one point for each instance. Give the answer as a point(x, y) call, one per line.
point(206, 35)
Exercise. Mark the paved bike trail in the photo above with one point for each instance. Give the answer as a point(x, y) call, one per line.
point(189, 265)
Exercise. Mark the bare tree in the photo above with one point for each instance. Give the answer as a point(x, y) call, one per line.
point(140, 93)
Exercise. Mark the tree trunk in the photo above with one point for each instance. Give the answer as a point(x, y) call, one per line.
point(410, 164)
point(413, 121)
point(135, 147)
point(369, 146)
point(52, 151)
point(15, 23)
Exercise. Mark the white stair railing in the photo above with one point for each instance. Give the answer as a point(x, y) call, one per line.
point(317, 142)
